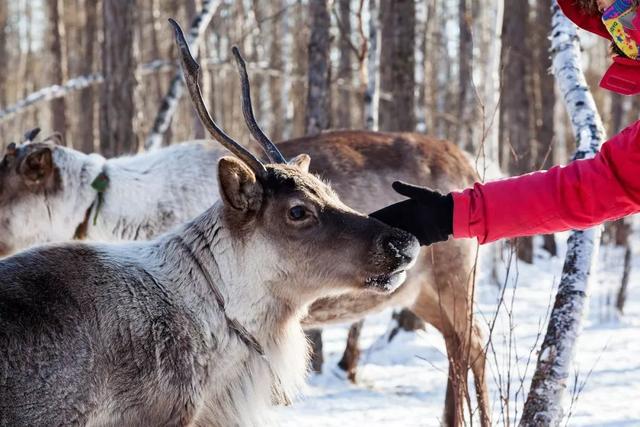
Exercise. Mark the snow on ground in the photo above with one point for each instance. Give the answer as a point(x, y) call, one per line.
point(403, 383)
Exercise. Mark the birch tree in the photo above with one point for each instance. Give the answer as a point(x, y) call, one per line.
point(117, 99)
point(170, 101)
point(372, 91)
point(544, 405)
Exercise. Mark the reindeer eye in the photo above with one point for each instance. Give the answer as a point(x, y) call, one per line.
point(298, 213)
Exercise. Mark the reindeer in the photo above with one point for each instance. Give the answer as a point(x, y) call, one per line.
point(46, 195)
point(201, 325)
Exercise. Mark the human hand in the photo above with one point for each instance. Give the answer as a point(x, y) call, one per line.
point(427, 214)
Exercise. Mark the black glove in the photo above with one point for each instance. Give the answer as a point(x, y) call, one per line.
point(427, 214)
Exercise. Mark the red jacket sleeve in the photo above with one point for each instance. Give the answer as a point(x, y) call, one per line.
point(577, 196)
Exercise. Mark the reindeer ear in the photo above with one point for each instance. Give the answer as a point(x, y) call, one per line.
point(301, 161)
point(30, 135)
point(37, 166)
point(238, 185)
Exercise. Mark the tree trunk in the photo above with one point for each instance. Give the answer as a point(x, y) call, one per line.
point(544, 86)
point(4, 53)
point(276, 62)
point(621, 299)
point(318, 112)
point(372, 92)
point(467, 134)
point(544, 402)
point(87, 100)
point(58, 65)
point(397, 76)
point(351, 355)
point(493, 84)
point(397, 65)
point(300, 67)
point(516, 109)
point(343, 107)
point(117, 98)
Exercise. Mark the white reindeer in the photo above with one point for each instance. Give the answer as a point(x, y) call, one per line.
point(199, 326)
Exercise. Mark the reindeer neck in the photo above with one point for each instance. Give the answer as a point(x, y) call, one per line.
point(229, 279)
point(150, 193)
point(225, 279)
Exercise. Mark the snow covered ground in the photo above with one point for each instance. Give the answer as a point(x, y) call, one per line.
point(403, 383)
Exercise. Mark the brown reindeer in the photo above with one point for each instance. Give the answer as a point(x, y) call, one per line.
point(361, 167)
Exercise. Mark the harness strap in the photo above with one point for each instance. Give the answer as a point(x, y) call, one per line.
point(100, 185)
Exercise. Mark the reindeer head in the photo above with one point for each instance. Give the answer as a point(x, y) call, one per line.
point(290, 220)
point(26, 173)
point(31, 188)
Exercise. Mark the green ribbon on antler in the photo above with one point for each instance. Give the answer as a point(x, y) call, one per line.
point(100, 184)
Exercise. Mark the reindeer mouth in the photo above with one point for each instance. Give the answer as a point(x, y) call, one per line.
point(386, 283)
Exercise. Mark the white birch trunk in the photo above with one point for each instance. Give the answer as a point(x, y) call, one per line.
point(544, 405)
point(372, 93)
point(170, 101)
point(492, 93)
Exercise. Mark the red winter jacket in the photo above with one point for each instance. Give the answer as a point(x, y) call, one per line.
point(577, 196)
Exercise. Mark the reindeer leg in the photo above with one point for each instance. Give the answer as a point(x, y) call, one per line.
point(351, 355)
point(314, 336)
point(457, 387)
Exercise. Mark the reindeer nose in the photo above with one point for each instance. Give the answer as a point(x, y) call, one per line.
point(401, 245)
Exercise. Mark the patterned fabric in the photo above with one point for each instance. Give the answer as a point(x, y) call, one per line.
point(619, 20)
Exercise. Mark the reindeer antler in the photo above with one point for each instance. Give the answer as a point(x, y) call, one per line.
point(268, 146)
point(190, 70)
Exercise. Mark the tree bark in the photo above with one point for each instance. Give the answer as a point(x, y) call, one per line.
point(516, 112)
point(87, 100)
point(544, 402)
point(318, 111)
point(372, 92)
point(621, 299)
point(58, 66)
point(276, 62)
point(351, 355)
point(117, 99)
point(467, 134)
point(4, 53)
point(397, 67)
point(343, 107)
point(398, 76)
point(545, 96)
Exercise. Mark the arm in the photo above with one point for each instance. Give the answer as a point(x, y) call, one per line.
point(579, 195)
